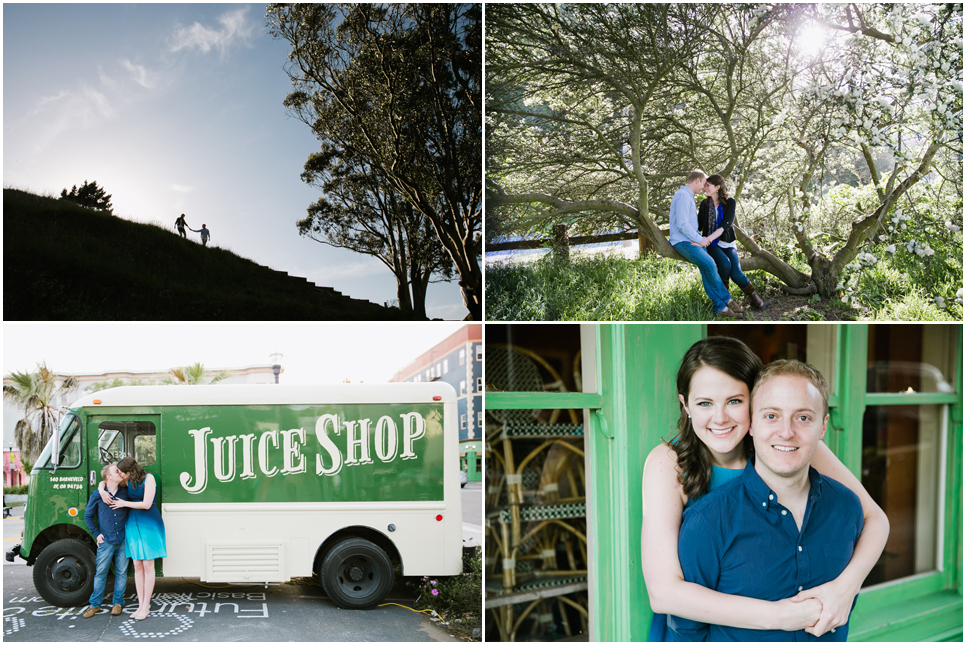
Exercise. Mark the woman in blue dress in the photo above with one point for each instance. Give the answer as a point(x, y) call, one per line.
point(144, 532)
point(711, 449)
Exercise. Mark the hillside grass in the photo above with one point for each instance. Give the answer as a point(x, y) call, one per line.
point(66, 262)
point(613, 288)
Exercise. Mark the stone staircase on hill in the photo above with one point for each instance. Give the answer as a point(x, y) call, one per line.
point(328, 293)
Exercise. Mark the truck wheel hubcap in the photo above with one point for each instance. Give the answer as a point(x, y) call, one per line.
point(68, 574)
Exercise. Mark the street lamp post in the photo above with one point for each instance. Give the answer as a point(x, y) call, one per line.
point(276, 359)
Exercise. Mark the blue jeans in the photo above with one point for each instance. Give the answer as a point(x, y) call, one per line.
point(106, 553)
point(729, 265)
point(709, 273)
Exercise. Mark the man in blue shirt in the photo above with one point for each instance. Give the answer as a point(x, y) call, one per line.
point(781, 527)
point(106, 524)
point(687, 241)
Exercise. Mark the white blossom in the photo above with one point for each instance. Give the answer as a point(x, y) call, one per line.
point(951, 227)
point(940, 302)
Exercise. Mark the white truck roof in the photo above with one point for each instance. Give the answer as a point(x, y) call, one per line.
point(163, 395)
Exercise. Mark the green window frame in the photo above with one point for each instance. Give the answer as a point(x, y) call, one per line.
point(621, 399)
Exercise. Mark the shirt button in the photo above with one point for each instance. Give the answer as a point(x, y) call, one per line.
point(771, 497)
point(799, 548)
point(800, 588)
point(764, 503)
point(784, 512)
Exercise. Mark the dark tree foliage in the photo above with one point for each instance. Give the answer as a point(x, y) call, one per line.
point(361, 212)
point(90, 195)
point(399, 86)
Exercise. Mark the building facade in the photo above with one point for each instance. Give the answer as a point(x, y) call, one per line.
point(568, 537)
point(13, 470)
point(457, 360)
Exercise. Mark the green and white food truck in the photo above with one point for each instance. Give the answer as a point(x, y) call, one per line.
point(260, 484)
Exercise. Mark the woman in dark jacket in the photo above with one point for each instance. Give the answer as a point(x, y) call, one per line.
point(716, 219)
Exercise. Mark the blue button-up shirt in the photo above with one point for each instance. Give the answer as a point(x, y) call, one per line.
point(740, 540)
point(684, 217)
point(102, 519)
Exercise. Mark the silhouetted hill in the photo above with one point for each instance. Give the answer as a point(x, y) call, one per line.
point(65, 262)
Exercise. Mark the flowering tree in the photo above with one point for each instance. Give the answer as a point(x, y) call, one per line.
point(596, 113)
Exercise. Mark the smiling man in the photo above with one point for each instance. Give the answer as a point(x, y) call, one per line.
point(781, 527)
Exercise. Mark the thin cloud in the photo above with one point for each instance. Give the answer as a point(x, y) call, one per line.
point(235, 27)
point(139, 73)
point(178, 188)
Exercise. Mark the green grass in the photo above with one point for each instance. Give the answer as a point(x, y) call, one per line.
point(597, 288)
point(654, 288)
point(65, 262)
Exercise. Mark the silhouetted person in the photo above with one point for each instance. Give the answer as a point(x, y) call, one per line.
point(205, 234)
point(180, 223)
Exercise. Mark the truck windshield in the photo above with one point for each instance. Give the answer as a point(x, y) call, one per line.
point(70, 447)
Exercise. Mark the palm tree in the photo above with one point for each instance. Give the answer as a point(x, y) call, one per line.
point(36, 392)
point(117, 382)
point(192, 375)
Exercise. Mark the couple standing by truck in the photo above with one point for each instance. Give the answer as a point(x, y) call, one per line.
point(127, 523)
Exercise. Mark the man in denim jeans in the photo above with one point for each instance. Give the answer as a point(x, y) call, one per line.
point(687, 241)
point(108, 525)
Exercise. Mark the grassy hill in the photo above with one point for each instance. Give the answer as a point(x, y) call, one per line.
point(65, 262)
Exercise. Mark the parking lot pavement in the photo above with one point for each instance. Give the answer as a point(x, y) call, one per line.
point(184, 609)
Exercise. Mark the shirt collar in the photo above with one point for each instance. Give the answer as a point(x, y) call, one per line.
point(759, 491)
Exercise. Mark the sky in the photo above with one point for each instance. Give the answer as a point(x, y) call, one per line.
point(312, 353)
point(176, 108)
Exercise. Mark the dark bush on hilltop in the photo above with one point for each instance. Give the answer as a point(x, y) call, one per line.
point(90, 195)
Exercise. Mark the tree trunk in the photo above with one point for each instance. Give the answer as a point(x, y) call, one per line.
point(824, 276)
point(561, 244)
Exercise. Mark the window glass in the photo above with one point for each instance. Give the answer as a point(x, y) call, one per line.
point(462, 357)
point(70, 455)
point(769, 342)
point(479, 353)
point(910, 359)
point(534, 472)
point(532, 358)
point(462, 388)
point(70, 451)
point(145, 449)
point(901, 465)
point(118, 439)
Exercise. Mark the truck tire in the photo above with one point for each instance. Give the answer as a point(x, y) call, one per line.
point(356, 574)
point(64, 573)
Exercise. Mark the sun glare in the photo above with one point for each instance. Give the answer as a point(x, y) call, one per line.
point(811, 40)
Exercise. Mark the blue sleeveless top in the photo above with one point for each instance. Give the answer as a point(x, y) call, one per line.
point(719, 477)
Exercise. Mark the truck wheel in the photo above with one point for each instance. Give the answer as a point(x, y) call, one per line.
point(64, 573)
point(356, 574)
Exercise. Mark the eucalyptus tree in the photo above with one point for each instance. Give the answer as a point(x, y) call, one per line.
point(40, 394)
point(400, 85)
point(361, 212)
point(598, 111)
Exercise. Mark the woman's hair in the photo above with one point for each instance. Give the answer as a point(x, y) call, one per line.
point(728, 355)
point(718, 181)
point(130, 466)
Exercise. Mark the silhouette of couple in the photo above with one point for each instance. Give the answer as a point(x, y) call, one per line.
point(181, 224)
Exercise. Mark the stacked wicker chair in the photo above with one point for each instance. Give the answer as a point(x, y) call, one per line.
point(536, 506)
